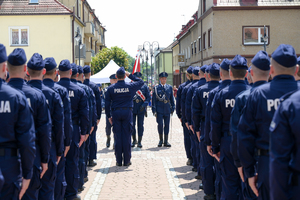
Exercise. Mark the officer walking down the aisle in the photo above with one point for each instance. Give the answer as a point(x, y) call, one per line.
point(162, 107)
point(140, 102)
point(119, 99)
point(17, 137)
point(112, 80)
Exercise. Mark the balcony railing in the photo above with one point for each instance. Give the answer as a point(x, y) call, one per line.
point(256, 2)
point(82, 51)
point(89, 29)
point(89, 54)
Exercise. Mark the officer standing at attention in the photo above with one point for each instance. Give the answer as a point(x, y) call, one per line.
point(140, 102)
point(187, 141)
point(80, 120)
point(259, 73)
point(253, 128)
point(224, 75)
point(93, 141)
point(221, 137)
point(41, 115)
point(49, 77)
point(36, 70)
point(17, 137)
point(162, 107)
point(112, 80)
point(118, 99)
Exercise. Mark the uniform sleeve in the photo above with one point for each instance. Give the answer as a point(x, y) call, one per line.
point(178, 102)
point(172, 100)
point(43, 130)
point(282, 145)
point(147, 95)
point(183, 98)
point(98, 101)
point(83, 113)
point(25, 135)
point(216, 123)
point(107, 103)
point(154, 100)
point(207, 120)
point(188, 105)
point(68, 126)
point(137, 84)
point(247, 135)
point(58, 124)
point(196, 110)
point(94, 106)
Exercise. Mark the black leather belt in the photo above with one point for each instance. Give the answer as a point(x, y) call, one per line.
point(262, 152)
point(121, 109)
point(13, 151)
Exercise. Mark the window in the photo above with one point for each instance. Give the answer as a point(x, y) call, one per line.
point(192, 47)
point(34, 1)
point(195, 45)
point(19, 36)
point(204, 6)
point(209, 38)
point(253, 35)
point(204, 35)
point(200, 45)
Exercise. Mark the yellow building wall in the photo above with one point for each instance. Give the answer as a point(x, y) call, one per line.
point(49, 35)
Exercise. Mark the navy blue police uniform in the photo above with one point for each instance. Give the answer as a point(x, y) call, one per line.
point(187, 143)
point(17, 137)
point(261, 61)
point(188, 113)
point(198, 108)
point(162, 107)
point(140, 102)
point(118, 106)
point(60, 183)
point(1, 178)
point(221, 137)
point(207, 131)
point(93, 141)
point(253, 128)
point(80, 120)
point(55, 104)
point(42, 122)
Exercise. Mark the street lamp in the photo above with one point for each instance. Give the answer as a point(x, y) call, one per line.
point(265, 38)
point(147, 46)
point(78, 39)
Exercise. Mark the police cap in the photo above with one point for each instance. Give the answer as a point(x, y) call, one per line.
point(239, 62)
point(196, 70)
point(50, 63)
point(36, 62)
point(64, 65)
point(261, 60)
point(190, 70)
point(203, 68)
point(225, 64)
point(74, 69)
point(113, 76)
point(86, 69)
point(214, 69)
point(3, 55)
point(121, 71)
point(163, 74)
point(17, 57)
point(285, 55)
point(80, 69)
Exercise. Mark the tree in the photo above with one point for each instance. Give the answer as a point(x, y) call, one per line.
point(131, 61)
point(105, 55)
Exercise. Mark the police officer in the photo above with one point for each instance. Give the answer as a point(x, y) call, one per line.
point(41, 116)
point(93, 141)
point(17, 137)
point(112, 80)
point(36, 70)
point(224, 75)
point(198, 80)
point(221, 137)
point(259, 72)
point(198, 108)
point(49, 77)
point(187, 141)
point(119, 99)
point(162, 107)
point(253, 128)
point(80, 120)
point(1, 180)
point(140, 102)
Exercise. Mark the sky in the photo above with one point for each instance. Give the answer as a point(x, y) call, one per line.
point(130, 23)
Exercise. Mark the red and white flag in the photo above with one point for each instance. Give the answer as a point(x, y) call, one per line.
point(137, 65)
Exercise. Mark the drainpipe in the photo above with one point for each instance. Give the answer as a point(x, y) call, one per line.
point(73, 51)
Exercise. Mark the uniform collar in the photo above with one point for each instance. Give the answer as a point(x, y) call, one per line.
point(49, 80)
point(258, 83)
point(238, 82)
point(86, 80)
point(286, 77)
point(64, 79)
point(226, 82)
point(213, 82)
point(17, 80)
point(73, 80)
point(79, 81)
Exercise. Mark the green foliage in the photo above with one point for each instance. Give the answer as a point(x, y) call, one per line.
point(131, 61)
point(105, 55)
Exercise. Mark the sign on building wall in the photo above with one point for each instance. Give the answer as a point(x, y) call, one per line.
point(180, 59)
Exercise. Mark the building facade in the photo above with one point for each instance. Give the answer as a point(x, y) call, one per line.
point(163, 63)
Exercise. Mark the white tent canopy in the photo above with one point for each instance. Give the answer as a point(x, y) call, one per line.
point(104, 74)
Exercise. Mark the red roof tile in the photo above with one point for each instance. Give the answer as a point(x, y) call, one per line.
point(22, 7)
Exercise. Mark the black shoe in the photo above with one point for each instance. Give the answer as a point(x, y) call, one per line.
point(201, 186)
point(140, 142)
point(108, 141)
point(189, 162)
point(166, 143)
point(118, 164)
point(127, 164)
point(198, 177)
point(86, 179)
point(134, 142)
point(80, 189)
point(92, 163)
point(194, 169)
point(160, 140)
point(77, 198)
point(209, 197)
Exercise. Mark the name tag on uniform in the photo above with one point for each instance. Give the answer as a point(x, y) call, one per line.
point(121, 90)
point(5, 107)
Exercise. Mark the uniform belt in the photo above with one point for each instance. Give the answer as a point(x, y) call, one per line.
point(226, 134)
point(121, 109)
point(137, 101)
point(262, 152)
point(13, 151)
point(165, 101)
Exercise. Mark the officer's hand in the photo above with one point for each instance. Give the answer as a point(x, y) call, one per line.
point(98, 121)
point(155, 114)
point(110, 121)
point(252, 182)
point(86, 137)
point(127, 73)
point(58, 159)
point(217, 156)
point(240, 169)
point(198, 135)
point(24, 187)
point(67, 148)
point(187, 125)
point(44, 169)
point(142, 108)
point(191, 128)
point(91, 130)
point(209, 150)
point(82, 139)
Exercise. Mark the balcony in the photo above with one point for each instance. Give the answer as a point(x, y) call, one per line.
point(95, 37)
point(82, 51)
point(89, 55)
point(89, 29)
point(256, 2)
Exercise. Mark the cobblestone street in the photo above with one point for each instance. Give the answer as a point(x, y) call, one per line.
point(155, 173)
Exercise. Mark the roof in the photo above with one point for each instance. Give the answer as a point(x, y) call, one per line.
point(187, 27)
point(22, 7)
